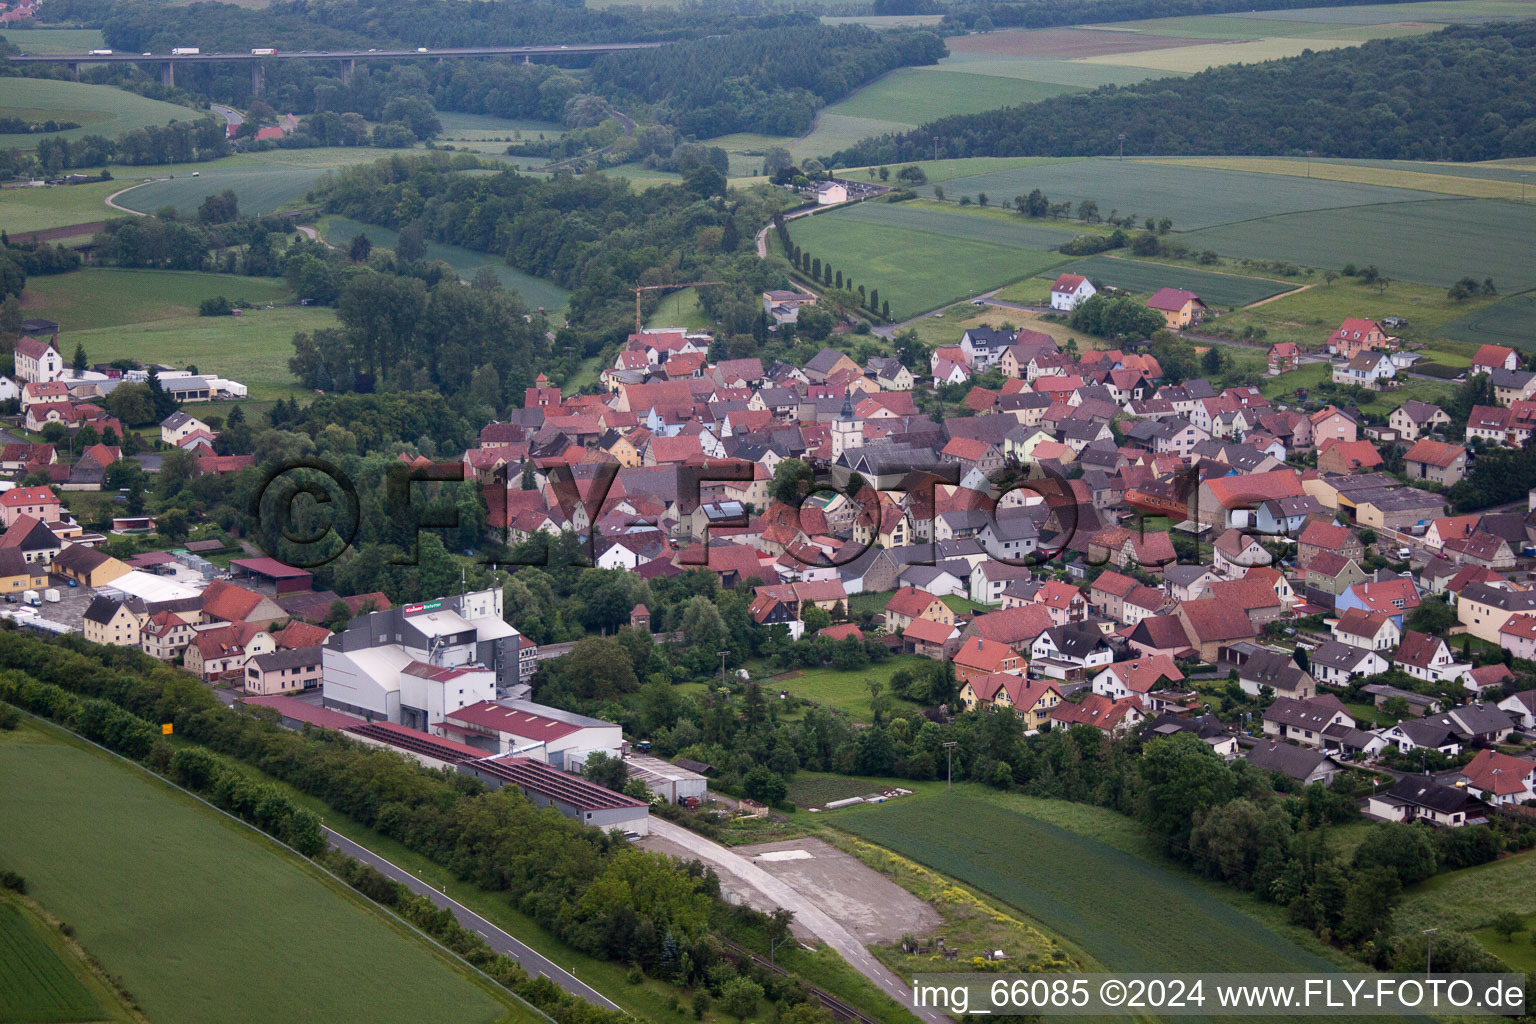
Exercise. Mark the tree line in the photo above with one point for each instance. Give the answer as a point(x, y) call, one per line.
point(1464, 93)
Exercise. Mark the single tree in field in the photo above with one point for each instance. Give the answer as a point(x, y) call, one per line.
point(1506, 923)
point(81, 363)
point(360, 249)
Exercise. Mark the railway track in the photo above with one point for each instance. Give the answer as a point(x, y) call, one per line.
point(834, 1005)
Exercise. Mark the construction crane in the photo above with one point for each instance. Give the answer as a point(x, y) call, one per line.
point(663, 287)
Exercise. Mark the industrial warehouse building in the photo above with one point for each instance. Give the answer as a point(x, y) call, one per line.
point(521, 727)
point(414, 663)
point(571, 795)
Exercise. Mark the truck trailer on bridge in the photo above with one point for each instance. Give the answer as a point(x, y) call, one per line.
point(184, 51)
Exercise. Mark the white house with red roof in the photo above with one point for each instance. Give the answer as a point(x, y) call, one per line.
point(1494, 357)
point(1069, 290)
point(37, 360)
point(1501, 778)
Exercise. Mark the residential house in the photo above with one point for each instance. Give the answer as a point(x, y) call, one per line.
point(283, 671)
point(18, 574)
point(1179, 308)
point(1500, 779)
point(1275, 671)
point(1031, 700)
point(1423, 734)
point(1211, 624)
point(38, 502)
point(1414, 419)
point(178, 426)
point(1114, 717)
point(1235, 552)
point(1068, 291)
point(1283, 357)
point(1521, 707)
point(1356, 335)
point(1070, 652)
point(37, 360)
point(1494, 357)
point(1482, 609)
point(110, 621)
point(980, 656)
point(1418, 798)
point(1436, 461)
point(1427, 657)
point(1332, 424)
point(1366, 370)
point(1303, 721)
point(1337, 664)
point(166, 634)
point(1375, 631)
point(1297, 763)
point(1487, 680)
point(1136, 677)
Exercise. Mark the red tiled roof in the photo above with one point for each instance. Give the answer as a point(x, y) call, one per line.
point(1500, 774)
point(910, 601)
point(1434, 453)
point(928, 631)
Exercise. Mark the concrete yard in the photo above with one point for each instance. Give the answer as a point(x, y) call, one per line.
point(855, 895)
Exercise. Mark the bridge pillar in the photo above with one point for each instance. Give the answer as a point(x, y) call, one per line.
point(168, 75)
point(348, 69)
point(258, 77)
point(74, 71)
point(527, 59)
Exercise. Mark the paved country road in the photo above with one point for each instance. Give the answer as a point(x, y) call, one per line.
point(807, 913)
point(533, 962)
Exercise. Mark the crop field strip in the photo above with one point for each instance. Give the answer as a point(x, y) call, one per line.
point(1194, 197)
point(1472, 237)
point(136, 859)
point(1149, 919)
point(1016, 232)
point(882, 256)
point(1507, 322)
point(36, 985)
point(1466, 180)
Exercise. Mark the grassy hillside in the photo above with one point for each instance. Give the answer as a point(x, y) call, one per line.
point(98, 109)
point(105, 297)
point(242, 931)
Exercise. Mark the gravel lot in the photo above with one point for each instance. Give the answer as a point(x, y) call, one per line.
point(871, 906)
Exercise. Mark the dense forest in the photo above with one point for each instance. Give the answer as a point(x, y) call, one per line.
point(1466, 93)
point(768, 81)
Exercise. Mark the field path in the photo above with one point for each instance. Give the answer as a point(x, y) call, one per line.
point(112, 199)
point(1282, 295)
point(806, 912)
